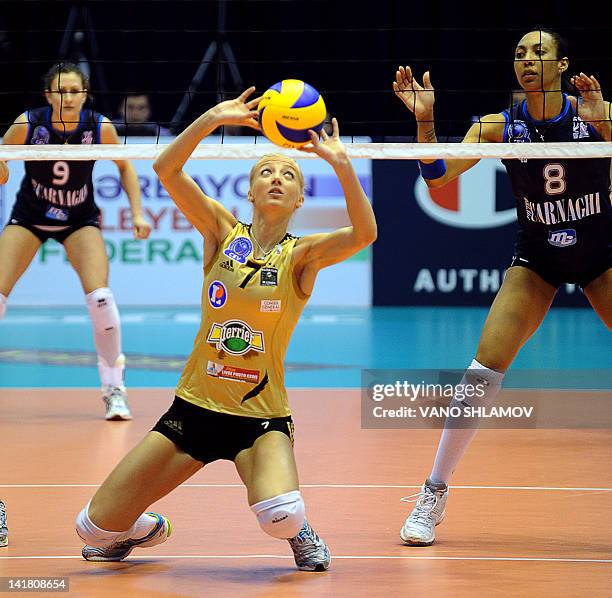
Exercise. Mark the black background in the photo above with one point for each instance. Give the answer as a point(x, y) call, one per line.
point(347, 50)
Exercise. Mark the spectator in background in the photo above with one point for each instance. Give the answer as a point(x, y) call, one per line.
point(135, 117)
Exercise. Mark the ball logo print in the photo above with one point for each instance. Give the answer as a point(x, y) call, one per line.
point(239, 249)
point(518, 132)
point(467, 202)
point(288, 110)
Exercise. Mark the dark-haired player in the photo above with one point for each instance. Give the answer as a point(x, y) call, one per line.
point(56, 201)
point(565, 229)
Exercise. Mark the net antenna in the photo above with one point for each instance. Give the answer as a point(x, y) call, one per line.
point(222, 51)
point(79, 29)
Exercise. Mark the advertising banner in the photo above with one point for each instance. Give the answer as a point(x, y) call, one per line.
point(447, 246)
point(166, 269)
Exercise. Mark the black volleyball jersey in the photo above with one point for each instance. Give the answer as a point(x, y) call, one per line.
point(60, 192)
point(563, 205)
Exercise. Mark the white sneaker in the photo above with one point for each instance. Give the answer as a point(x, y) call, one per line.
point(3, 527)
point(115, 398)
point(119, 550)
point(419, 527)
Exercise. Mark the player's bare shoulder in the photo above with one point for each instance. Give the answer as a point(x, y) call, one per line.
point(487, 129)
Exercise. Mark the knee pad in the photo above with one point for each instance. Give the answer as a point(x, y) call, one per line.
point(103, 310)
point(282, 516)
point(3, 302)
point(486, 381)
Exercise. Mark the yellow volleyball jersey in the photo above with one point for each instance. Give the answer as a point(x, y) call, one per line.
point(249, 310)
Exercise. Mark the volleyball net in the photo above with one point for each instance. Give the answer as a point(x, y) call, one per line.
point(174, 65)
point(185, 71)
point(355, 150)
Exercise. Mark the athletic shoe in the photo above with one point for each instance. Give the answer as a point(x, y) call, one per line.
point(3, 528)
point(419, 527)
point(115, 398)
point(119, 550)
point(310, 552)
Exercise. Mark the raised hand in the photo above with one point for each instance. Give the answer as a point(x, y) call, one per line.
point(419, 99)
point(331, 149)
point(239, 111)
point(140, 227)
point(591, 106)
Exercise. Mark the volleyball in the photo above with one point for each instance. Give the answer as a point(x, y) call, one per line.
point(288, 110)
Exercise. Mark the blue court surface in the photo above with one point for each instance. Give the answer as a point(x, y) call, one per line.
point(329, 349)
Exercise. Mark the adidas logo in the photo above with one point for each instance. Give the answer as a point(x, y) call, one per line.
point(228, 265)
point(174, 425)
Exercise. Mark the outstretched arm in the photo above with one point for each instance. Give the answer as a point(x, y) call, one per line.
point(206, 214)
point(314, 252)
point(419, 99)
point(129, 181)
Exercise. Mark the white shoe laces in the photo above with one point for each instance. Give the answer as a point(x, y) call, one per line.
point(115, 398)
point(425, 504)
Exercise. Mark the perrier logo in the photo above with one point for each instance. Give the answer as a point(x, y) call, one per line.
point(236, 337)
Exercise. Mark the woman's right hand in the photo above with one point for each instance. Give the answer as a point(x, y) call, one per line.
point(419, 99)
point(238, 112)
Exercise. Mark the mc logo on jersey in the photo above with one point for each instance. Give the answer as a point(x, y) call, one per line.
point(563, 238)
point(472, 200)
point(236, 337)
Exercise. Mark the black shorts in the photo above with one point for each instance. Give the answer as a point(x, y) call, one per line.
point(60, 235)
point(556, 276)
point(208, 435)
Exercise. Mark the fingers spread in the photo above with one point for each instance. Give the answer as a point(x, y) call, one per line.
point(335, 128)
point(246, 93)
point(253, 103)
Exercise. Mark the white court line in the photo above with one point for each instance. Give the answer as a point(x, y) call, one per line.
point(356, 486)
point(341, 557)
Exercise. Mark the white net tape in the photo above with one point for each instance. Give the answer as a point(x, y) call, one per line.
point(372, 151)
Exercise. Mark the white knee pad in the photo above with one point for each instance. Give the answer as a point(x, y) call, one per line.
point(281, 516)
point(3, 302)
point(103, 310)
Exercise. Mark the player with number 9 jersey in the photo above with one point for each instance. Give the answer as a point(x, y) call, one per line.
point(56, 201)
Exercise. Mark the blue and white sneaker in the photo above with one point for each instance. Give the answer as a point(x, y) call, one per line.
point(119, 550)
point(3, 527)
point(310, 551)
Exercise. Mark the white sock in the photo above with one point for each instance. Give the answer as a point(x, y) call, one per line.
point(107, 335)
point(93, 535)
point(111, 375)
point(455, 440)
point(3, 302)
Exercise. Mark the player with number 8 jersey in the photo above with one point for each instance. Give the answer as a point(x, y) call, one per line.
point(565, 232)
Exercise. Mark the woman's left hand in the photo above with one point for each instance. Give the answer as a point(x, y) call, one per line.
point(331, 149)
point(140, 227)
point(592, 107)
